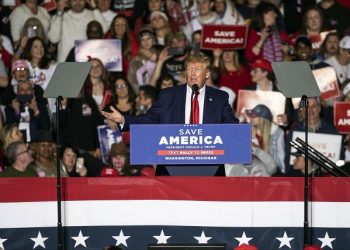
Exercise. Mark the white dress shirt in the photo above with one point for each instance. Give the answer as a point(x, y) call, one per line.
point(188, 104)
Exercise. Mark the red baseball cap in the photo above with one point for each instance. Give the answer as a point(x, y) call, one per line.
point(263, 64)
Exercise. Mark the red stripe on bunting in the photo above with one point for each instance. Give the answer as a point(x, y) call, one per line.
point(175, 188)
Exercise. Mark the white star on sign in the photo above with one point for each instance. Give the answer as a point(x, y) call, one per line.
point(243, 240)
point(80, 239)
point(2, 243)
point(202, 239)
point(285, 240)
point(39, 240)
point(121, 239)
point(326, 241)
point(162, 238)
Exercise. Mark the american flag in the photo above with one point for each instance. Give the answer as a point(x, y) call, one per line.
point(132, 212)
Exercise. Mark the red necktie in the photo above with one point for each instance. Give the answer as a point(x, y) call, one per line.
point(195, 109)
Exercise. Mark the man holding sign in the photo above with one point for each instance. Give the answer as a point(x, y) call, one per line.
point(316, 125)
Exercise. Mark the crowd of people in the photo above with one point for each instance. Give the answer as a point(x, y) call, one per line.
point(157, 36)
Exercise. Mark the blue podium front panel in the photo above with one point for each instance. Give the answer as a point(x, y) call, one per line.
point(190, 144)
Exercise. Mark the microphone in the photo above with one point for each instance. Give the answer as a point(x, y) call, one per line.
point(194, 88)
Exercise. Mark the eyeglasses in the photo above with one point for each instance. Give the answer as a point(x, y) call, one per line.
point(120, 86)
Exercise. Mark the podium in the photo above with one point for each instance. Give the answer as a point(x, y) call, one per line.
point(190, 149)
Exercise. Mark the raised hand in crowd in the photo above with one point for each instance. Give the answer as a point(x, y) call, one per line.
point(163, 56)
point(23, 43)
point(264, 33)
point(33, 105)
point(16, 106)
point(21, 46)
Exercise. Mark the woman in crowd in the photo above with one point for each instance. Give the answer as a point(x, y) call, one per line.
point(330, 45)
point(123, 96)
point(123, 99)
point(161, 27)
point(41, 67)
point(231, 73)
point(36, 30)
point(28, 9)
point(71, 165)
point(145, 19)
point(265, 40)
point(267, 135)
point(120, 30)
point(44, 150)
point(313, 26)
point(97, 85)
point(8, 134)
point(146, 40)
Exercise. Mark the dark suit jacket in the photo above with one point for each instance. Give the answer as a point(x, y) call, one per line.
point(169, 108)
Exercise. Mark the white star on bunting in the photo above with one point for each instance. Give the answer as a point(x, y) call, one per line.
point(285, 240)
point(39, 241)
point(244, 239)
point(121, 239)
point(80, 239)
point(162, 238)
point(202, 239)
point(326, 241)
point(2, 243)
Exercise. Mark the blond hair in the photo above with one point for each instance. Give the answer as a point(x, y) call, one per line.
point(265, 130)
point(198, 58)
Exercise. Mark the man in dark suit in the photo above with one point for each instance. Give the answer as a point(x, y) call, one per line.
point(173, 105)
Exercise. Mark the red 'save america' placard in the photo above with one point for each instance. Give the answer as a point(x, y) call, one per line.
point(342, 117)
point(217, 36)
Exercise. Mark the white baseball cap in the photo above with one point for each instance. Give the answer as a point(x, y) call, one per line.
point(345, 42)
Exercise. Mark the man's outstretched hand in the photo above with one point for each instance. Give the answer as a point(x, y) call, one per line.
point(114, 115)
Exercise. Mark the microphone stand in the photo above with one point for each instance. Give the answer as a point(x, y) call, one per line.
point(305, 105)
point(60, 237)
